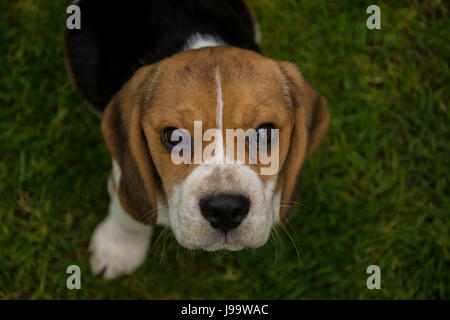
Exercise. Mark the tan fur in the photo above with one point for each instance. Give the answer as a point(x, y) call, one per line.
point(181, 89)
point(311, 123)
point(187, 92)
point(121, 127)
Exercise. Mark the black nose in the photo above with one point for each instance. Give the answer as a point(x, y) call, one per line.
point(224, 212)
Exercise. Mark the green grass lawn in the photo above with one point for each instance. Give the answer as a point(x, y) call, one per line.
point(375, 192)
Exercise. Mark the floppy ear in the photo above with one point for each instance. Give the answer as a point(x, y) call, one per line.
point(125, 139)
point(310, 124)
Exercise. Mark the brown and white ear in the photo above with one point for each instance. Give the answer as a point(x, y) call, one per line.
point(310, 124)
point(125, 139)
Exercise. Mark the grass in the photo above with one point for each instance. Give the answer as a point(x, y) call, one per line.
point(375, 192)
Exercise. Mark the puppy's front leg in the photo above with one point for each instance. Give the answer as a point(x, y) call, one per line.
point(119, 244)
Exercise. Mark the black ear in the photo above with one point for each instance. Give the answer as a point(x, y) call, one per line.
point(123, 133)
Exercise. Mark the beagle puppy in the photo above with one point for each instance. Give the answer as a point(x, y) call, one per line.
point(155, 67)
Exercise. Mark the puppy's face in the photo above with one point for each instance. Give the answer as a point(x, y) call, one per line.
point(216, 201)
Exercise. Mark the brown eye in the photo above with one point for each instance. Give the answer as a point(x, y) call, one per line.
point(169, 139)
point(262, 139)
point(264, 134)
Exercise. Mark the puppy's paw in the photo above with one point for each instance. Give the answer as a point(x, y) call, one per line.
point(116, 251)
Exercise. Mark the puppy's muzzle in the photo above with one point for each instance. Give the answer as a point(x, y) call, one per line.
point(225, 212)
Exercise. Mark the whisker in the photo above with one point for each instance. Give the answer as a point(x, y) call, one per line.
point(292, 240)
point(145, 217)
point(275, 245)
point(295, 204)
point(151, 213)
point(163, 231)
point(287, 223)
point(167, 239)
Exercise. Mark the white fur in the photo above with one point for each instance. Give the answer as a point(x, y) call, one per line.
point(192, 230)
point(119, 244)
point(219, 119)
point(116, 172)
point(198, 40)
point(257, 36)
point(276, 202)
point(219, 107)
point(163, 213)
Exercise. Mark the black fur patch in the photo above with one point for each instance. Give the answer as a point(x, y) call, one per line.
point(117, 38)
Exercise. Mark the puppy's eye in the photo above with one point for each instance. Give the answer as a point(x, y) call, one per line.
point(264, 134)
point(170, 137)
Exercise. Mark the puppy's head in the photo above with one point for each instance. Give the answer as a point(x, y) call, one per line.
point(213, 201)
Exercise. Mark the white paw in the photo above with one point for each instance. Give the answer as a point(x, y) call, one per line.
point(118, 251)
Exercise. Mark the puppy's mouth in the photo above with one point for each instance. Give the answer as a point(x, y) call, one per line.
point(224, 246)
point(225, 241)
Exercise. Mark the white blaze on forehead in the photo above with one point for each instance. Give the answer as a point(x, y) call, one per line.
point(219, 156)
point(219, 108)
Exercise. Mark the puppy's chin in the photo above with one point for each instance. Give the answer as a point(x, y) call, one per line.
point(192, 236)
point(224, 246)
point(231, 246)
point(214, 240)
